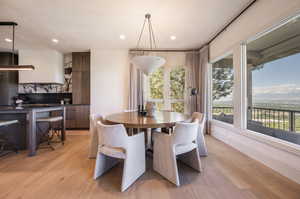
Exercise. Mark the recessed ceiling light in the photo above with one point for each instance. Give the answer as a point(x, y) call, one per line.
point(122, 37)
point(8, 40)
point(55, 40)
point(172, 37)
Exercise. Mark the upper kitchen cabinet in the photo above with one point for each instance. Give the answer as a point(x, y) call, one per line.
point(81, 61)
point(48, 66)
point(81, 77)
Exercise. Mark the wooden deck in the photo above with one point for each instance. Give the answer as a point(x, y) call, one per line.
point(67, 173)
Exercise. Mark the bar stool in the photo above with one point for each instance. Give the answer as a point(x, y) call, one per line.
point(3, 141)
point(51, 131)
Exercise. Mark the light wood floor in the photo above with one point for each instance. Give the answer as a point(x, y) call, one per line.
point(67, 173)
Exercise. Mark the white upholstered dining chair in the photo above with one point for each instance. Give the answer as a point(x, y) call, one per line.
point(94, 118)
point(201, 119)
point(115, 144)
point(182, 142)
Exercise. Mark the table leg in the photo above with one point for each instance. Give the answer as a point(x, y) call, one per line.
point(63, 125)
point(31, 133)
point(148, 146)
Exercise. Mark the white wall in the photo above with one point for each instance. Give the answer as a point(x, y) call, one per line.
point(109, 81)
point(48, 66)
point(279, 155)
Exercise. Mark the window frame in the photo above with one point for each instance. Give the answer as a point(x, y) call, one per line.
point(210, 88)
point(240, 97)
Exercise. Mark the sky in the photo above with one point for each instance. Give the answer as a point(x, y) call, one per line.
point(279, 79)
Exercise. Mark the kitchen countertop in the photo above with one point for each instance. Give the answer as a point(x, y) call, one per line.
point(25, 109)
point(56, 104)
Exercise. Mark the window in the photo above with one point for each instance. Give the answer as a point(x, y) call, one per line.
point(222, 90)
point(156, 81)
point(166, 87)
point(177, 86)
point(273, 83)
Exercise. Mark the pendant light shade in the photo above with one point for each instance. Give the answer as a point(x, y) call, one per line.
point(148, 63)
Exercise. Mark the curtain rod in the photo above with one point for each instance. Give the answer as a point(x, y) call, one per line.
point(230, 22)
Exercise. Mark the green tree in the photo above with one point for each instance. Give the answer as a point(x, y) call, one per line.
point(222, 82)
point(156, 81)
point(177, 77)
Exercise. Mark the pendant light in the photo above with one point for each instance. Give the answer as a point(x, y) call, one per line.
point(148, 63)
point(13, 66)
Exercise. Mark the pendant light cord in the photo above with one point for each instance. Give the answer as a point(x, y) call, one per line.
point(152, 32)
point(140, 37)
point(152, 39)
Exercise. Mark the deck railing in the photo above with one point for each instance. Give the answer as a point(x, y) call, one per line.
point(288, 120)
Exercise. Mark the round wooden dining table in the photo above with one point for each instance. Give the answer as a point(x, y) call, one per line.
point(161, 119)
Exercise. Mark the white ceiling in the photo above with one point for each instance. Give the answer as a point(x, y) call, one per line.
point(81, 25)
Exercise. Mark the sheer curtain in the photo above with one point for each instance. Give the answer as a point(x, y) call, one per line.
point(135, 85)
point(196, 77)
point(191, 81)
point(203, 80)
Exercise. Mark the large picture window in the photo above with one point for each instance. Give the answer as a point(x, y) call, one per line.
point(273, 83)
point(222, 90)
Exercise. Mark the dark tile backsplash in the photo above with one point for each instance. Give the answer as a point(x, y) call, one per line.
point(45, 98)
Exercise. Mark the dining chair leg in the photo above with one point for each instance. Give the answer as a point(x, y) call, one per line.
point(134, 167)
point(149, 142)
point(103, 164)
point(191, 159)
point(201, 144)
point(164, 162)
point(93, 144)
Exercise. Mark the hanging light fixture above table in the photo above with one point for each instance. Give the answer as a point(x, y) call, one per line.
point(13, 67)
point(148, 63)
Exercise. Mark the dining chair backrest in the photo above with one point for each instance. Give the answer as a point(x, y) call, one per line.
point(112, 135)
point(201, 120)
point(197, 116)
point(185, 133)
point(94, 118)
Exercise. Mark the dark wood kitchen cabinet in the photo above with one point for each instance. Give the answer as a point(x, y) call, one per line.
point(78, 117)
point(81, 77)
point(78, 114)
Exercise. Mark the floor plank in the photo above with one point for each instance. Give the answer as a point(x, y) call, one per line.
point(67, 173)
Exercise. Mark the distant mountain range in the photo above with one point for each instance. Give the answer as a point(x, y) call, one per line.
point(286, 104)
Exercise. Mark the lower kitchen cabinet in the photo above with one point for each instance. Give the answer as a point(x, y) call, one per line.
point(78, 116)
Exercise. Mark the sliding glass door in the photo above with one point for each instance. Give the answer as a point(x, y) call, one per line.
point(273, 83)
